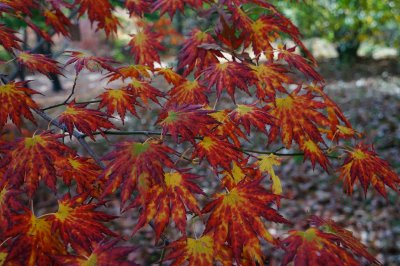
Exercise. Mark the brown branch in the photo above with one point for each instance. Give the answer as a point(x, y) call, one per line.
point(62, 104)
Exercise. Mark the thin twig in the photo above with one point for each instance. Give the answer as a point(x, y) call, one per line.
point(62, 104)
point(73, 89)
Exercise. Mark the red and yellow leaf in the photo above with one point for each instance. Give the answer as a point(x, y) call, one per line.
point(217, 151)
point(188, 92)
point(269, 78)
point(91, 63)
point(297, 117)
point(58, 21)
point(80, 224)
point(101, 254)
point(131, 160)
point(144, 46)
point(16, 101)
point(39, 62)
point(236, 218)
point(84, 120)
point(169, 199)
point(138, 7)
point(185, 121)
point(8, 39)
point(120, 100)
point(191, 55)
point(362, 164)
point(227, 129)
point(131, 71)
point(170, 76)
point(198, 252)
point(229, 76)
point(34, 236)
point(246, 115)
point(31, 159)
point(266, 163)
point(145, 91)
point(171, 6)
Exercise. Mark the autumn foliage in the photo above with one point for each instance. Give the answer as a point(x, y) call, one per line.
point(232, 81)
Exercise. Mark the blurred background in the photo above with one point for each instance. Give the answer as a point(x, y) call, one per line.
point(357, 46)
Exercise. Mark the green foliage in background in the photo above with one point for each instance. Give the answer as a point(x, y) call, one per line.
point(347, 23)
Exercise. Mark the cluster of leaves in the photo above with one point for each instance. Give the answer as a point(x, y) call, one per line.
point(240, 56)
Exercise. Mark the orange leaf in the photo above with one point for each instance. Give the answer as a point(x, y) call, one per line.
point(39, 62)
point(229, 76)
point(131, 71)
point(236, 217)
point(78, 223)
point(145, 46)
point(296, 118)
point(84, 120)
point(131, 160)
point(120, 100)
point(188, 92)
point(170, 76)
point(227, 129)
point(363, 164)
point(247, 115)
point(34, 236)
point(31, 159)
point(217, 151)
point(145, 91)
point(15, 102)
point(199, 251)
point(168, 199)
point(186, 121)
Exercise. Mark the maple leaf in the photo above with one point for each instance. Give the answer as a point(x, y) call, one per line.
point(229, 76)
point(84, 120)
point(171, 6)
point(299, 62)
point(91, 63)
point(297, 118)
point(313, 151)
point(240, 172)
point(109, 24)
point(266, 163)
point(79, 224)
point(345, 237)
point(197, 251)
point(192, 55)
point(145, 91)
point(131, 71)
point(34, 236)
point(58, 21)
point(31, 159)
point(130, 160)
point(269, 78)
point(188, 92)
point(120, 100)
point(101, 254)
point(179, 121)
point(169, 199)
point(247, 115)
point(16, 101)
point(8, 202)
point(8, 39)
point(363, 164)
point(217, 151)
point(100, 11)
point(236, 217)
point(170, 76)
point(83, 171)
point(39, 62)
point(227, 129)
point(42, 33)
point(138, 7)
point(144, 45)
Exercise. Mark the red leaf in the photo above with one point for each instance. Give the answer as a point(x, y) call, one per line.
point(247, 115)
point(58, 21)
point(84, 120)
point(8, 39)
point(363, 164)
point(16, 101)
point(39, 62)
point(91, 63)
point(188, 92)
point(145, 46)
